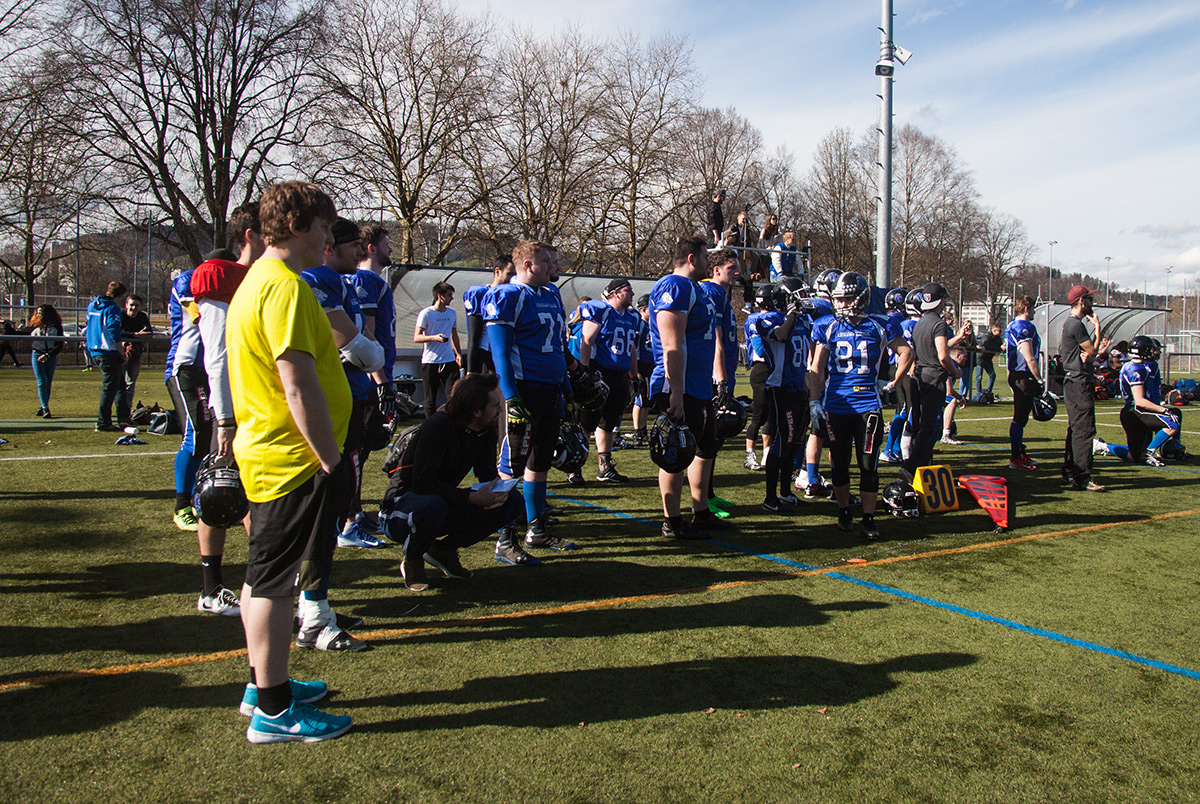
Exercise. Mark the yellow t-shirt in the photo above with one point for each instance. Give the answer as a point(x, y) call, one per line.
point(274, 310)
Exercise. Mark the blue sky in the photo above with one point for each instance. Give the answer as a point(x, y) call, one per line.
point(1082, 118)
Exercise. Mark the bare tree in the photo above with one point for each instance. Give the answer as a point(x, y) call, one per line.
point(1003, 245)
point(407, 90)
point(50, 176)
point(193, 100)
point(838, 210)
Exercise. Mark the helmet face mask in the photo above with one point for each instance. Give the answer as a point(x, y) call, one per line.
point(672, 445)
point(851, 296)
point(1044, 407)
point(571, 451)
point(789, 288)
point(589, 388)
point(912, 303)
point(218, 496)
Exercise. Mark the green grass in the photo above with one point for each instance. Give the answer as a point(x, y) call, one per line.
point(820, 689)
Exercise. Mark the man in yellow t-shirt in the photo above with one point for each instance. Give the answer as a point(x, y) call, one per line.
point(292, 405)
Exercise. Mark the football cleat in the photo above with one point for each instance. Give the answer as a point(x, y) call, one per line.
point(185, 519)
point(752, 463)
point(222, 601)
point(539, 536)
point(685, 532)
point(1099, 446)
point(845, 521)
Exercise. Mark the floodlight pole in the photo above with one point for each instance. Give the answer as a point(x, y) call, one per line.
point(883, 223)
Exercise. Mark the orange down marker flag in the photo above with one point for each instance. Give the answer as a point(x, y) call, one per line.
point(991, 494)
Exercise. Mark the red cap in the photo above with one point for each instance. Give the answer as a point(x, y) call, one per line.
point(1078, 292)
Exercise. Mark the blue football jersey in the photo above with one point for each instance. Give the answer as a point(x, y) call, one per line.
point(473, 300)
point(823, 307)
point(375, 299)
point(538, 323)
point(1134, 373)
point(727, 320)
point(788, 359)
point(856, 350)
point(680, 294)
point(185, 334)
point(333, 292)
point(1021, 331)
point(906, 329)
point(645, 347)
point(617, 338)
point(756, 348)
point(895, 329)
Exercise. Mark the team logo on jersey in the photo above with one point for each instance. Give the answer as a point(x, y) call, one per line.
point(491, 309)
point(666, 298)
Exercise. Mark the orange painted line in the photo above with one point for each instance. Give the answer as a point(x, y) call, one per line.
point(590, 605)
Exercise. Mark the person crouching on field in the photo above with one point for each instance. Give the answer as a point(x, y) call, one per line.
point(423, 506)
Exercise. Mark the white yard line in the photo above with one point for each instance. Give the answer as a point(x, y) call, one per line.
point(78, 457)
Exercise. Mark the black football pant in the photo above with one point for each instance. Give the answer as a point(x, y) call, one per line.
point(1081, 429)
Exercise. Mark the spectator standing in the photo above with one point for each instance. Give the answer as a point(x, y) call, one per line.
point(783, 257)
point(45, 322)
point(437, 332)
point(1079, 349)
point(970, 347)
point(104, 342)
point(992, 346)
point(716, 220)
point(136, 329)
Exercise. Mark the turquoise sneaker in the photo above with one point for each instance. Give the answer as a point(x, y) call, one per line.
point(299, 723)
point(304, 692)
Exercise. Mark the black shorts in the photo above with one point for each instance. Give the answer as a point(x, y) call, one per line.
point(531, 445)
point(188, 388)
point(862, 433)
point(698, 416)
point(609, 415)
point(641, 391)
point(1140, 428)
point(1025, 390)
point(281, 530)
point(762, 414)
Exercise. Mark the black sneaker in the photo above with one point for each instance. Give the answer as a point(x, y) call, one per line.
point(707, 520)
point(817, 491)
point(413, 571)
point(107, 428)
point(845, 521)
point(686, 532)
point(576, 479)
point(609, 474)
point(539, 536)
point(513, 553)
point(447, 561)
point(777, 507)
point(870, 530)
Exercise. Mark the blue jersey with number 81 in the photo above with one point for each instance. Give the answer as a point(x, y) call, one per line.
point(856, 352)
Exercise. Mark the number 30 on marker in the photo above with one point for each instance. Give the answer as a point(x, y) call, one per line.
point(937, 489)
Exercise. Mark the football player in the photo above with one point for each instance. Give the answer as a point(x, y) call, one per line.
point(1023, 347)
point(848, 354)
point(723, 264)
point(931, 351)
point(479, 354)
point(810, 479)
point(526, 326)
point(645, 361)
point(682, 333)
point(786, 334)
point(608, 343)
point(1148, 424)
point(762, 415)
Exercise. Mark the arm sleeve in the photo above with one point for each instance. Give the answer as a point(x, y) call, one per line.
point(501, 339)
point(475, 335)
point(216, 362)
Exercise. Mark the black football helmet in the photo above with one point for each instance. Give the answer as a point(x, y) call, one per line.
point(731, 416)
point(1044, 407)
point(895, 299)
point(764, 297)
point(912, 303)
point(672, 445)
point(789, 288)
point(218, 496)
point(571, 451)
point(901, 499)
point(1142, 347)
point(823, 282)
point(589, 388)
point(851, 295)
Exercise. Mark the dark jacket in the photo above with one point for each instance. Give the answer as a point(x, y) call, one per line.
point(716, 218)
point(440, 455)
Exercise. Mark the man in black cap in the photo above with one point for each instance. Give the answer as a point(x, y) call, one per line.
point(1079, 349)
point(609, 343)
point(931, 344)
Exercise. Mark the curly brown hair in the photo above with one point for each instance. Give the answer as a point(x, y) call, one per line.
point(292, 206)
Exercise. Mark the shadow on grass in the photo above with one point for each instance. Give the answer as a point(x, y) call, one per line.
point(170, 636)
point(573, 697)
point(90, 704)
point(759, 611)
point(123, 581)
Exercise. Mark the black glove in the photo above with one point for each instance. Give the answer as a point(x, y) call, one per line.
point(385, 400)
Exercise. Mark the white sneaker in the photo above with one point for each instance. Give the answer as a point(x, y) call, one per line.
point(951, 441)
point(751, 462)
point(1099, 446)
point(222, 601)
point(322, 633)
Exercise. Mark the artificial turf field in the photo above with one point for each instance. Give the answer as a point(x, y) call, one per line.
point(1059, 661)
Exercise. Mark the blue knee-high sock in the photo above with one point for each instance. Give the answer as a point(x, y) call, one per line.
point(535, 499)
point(1016, 434)
point(1160, 438)
point(186, 465)
point(1118, 451)
point(894, 432)
point(811, 470)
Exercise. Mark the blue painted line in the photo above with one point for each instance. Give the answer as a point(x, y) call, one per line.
point(928, 601)
point(1016, 626)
